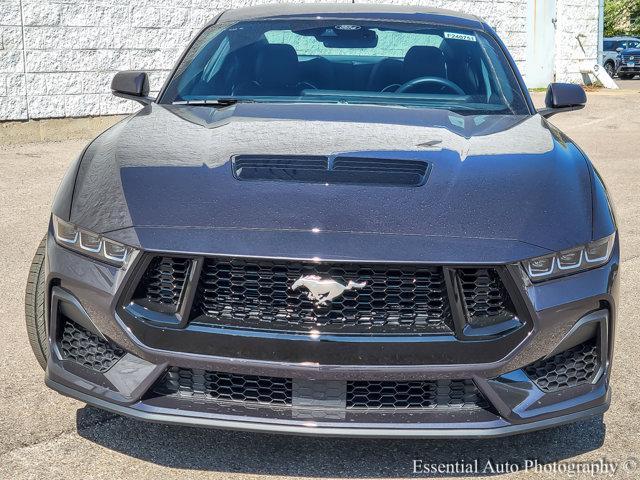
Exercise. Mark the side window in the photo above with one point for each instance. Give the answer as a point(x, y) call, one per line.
point(608, 46)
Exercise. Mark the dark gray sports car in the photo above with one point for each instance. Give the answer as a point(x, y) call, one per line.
point(333, 220)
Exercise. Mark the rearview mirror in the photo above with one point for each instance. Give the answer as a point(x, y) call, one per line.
point(132, 85)
point(563, 97)
point(348, 36)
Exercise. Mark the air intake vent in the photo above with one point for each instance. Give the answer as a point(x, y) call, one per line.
point(447, 394)
point(486, 299)
point(163, 284)
point(576, 366)
point(313, 169)
point(83, 347)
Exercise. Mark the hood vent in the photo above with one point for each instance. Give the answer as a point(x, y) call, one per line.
point(317, 169)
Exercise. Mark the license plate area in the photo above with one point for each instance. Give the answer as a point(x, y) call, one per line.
point(317, 399)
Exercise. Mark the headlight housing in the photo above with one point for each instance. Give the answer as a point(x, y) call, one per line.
point(91, 244)
point(573, 260)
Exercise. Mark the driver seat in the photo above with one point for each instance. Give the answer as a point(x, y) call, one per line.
point(423, 61)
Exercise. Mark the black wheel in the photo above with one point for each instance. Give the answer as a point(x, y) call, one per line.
point(34, 307)
point(625, 76)
point(610, 68)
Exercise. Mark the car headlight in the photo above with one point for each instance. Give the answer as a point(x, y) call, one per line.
point(91, 244)
point(591, 255)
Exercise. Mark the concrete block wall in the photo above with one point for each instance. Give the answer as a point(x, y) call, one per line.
point(57, 57)
point(574, 18)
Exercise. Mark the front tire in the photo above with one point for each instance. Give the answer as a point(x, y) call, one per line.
point(34, 307)
point(610, 69)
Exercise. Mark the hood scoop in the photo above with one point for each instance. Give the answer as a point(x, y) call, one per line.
point(333, 170)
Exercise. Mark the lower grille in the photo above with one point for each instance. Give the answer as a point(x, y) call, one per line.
point(416, 394)
point(203, 385)
point(87, 349)
point(576, 366)
point(216, 386)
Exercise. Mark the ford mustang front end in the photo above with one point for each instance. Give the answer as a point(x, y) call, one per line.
point(340, 220)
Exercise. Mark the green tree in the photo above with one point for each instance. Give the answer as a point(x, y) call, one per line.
point(621, 17)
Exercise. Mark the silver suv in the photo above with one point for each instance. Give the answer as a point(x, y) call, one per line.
point(612, 47)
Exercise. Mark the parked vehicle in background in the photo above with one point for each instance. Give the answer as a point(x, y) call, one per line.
point(629, 63)
point(611, 52)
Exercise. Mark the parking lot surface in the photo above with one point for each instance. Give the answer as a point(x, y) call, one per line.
point(45, 435)
point(633, 84)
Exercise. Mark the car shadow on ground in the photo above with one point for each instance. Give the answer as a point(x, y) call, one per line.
point(264, 454)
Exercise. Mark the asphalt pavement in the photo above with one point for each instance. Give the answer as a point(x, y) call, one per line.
point(45, 435)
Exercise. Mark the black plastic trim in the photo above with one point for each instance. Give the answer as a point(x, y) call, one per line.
point(316, 429)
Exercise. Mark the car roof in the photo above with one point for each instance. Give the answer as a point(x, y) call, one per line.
point(354, 11)
point(620, 38)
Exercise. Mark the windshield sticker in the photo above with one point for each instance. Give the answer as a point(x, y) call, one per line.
point(460, 36)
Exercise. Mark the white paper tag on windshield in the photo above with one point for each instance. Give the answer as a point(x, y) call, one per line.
point(460, 36)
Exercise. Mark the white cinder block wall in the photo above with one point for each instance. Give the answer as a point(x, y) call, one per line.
point(57, 57)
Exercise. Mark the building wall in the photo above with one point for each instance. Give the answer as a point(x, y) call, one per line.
point(57, 57)
point(574, 18)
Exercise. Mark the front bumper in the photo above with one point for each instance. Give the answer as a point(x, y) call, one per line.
point(624, 68)
point(415, 430)
point(563, 312)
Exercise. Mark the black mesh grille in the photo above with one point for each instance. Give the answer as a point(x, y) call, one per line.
point(87, 349)
point(414, 394)
point(163, 283)
point(485, 297)
point(203, 386)
point(576, 366)
point(379, 298)
point(258, 294)
point(215, 386)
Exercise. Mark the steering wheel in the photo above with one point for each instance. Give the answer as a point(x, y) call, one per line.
point(435, 80)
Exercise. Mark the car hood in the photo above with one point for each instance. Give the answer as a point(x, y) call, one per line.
point(163, 179)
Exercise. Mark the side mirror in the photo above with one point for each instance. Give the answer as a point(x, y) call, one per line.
point(619, 49)
point(563, 97)
point(132, 85)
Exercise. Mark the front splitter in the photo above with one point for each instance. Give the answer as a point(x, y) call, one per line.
point(318, 429)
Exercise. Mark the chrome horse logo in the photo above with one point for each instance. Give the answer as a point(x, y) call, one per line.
point(323, 290)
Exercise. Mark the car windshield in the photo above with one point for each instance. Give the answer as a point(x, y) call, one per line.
point(349, 62)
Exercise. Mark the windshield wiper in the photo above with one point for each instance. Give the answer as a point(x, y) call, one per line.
point(214, 102)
